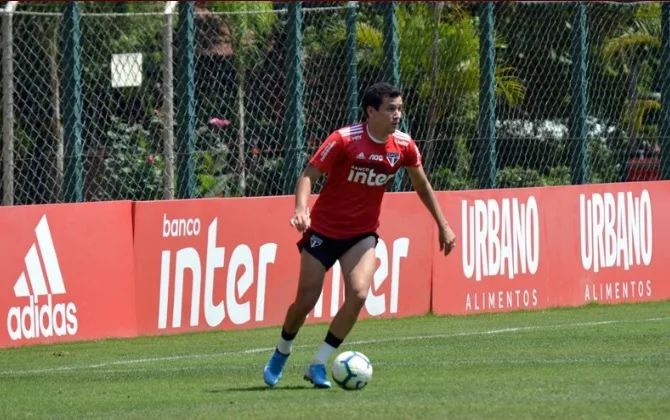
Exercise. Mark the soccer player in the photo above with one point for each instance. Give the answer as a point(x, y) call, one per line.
point(359, 160)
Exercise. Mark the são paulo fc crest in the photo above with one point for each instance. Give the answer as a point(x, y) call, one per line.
point(392, 158)
point(315, 241)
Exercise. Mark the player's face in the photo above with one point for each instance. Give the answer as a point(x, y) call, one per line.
point(387, 117)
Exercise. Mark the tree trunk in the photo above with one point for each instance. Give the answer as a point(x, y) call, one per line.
point(241, 155)
point(432, 102)
point(56, 123)
point(632, 101)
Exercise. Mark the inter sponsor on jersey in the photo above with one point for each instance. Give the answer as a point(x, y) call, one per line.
point(368, 176)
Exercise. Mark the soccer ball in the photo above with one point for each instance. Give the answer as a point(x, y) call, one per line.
point(352, 370)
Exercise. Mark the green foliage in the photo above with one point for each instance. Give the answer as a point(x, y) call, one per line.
point(642, 35)
point(633, 51)
point(216, 169)
point(518, 177)
point(604, 164)
point(246, 84)
point(603, 168)
point(248, 25)
point(131, 169)
point(264, 177)
point(213, 178)
point(558, 175)
point(258, 15)
point(458, 51)
point(449, 180)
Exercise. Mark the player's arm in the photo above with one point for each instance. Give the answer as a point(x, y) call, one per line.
point(422, 186)
point(322, 161)
point(304, 186)
point(303, 189)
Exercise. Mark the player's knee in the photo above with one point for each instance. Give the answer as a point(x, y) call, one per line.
point(307, 298)
point(357, 297)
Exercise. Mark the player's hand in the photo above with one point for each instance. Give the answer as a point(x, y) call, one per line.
point(447, 239)
point(301, 220)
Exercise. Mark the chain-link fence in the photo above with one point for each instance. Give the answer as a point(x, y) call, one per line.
point(247, 122)
point(623, 53)
point(120, 130)
point(243, 95)
point(36, 156)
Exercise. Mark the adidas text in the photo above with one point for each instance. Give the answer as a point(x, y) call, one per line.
point(46, 320)
point(41, 317)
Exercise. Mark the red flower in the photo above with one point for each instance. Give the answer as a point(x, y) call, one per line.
point(218, 122)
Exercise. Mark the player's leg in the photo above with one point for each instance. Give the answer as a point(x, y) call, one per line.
point(358, 266)
point(313, 266)
point(310, 284)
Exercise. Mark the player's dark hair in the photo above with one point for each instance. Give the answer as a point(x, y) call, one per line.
point(375, 94)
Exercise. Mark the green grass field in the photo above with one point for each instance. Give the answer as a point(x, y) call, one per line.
point(588, 362)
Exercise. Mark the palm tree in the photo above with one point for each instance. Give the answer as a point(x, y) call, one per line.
point(434, 71)
point(630, 52)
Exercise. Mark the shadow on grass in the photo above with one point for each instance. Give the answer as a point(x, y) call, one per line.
point(260, 388)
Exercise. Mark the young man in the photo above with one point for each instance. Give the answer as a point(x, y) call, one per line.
point(360, 161)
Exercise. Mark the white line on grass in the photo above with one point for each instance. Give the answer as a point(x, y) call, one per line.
point(451, 361)
point(351, 343)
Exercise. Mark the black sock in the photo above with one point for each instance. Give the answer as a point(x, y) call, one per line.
point(333, 341)
point(287, 336)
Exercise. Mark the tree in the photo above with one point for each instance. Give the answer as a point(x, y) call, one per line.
point(247, 26)
point(108, 29)
point(36, 48)
point(634, 52)
point(450, 57)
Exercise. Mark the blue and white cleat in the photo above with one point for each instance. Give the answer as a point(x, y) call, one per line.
point(317, 375)
point(273, 369)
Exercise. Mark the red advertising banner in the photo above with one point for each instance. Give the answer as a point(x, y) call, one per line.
point(98, 270)
point(500, 260)
point(66, 273)
point(233, 263)
point(543, 247)
point(612, 242)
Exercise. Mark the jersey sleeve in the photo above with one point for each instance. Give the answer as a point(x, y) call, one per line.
point(328, 153)
point(412, 155)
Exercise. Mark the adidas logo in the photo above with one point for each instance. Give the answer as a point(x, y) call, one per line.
point(41, 317)
point(361, 156)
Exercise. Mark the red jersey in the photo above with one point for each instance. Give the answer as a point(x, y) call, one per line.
point(358, 170)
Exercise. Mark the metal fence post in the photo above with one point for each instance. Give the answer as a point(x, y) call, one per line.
point(579, 146)
point(665, 91)
point(485, 160)
point(392, 66)
point(8, 104)
point(293, 121)
point(168, 101)
point(352, 71)
point(186, 100)
point(72, 104)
